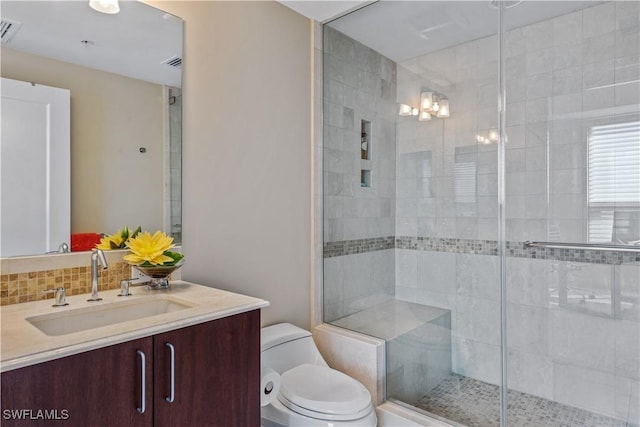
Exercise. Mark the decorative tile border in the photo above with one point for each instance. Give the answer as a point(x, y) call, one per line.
point(358, 246)
point(518, 250)
point(476, 247)
point(459, 246)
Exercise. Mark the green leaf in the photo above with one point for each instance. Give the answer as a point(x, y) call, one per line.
point(176, 256)
point(125, 233)
point(135, 233)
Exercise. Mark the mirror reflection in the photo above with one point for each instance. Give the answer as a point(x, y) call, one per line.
point(123, 73)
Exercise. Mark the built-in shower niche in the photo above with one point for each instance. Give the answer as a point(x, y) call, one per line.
point(365, 153)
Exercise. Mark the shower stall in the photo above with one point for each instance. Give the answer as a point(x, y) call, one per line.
point(481, 197)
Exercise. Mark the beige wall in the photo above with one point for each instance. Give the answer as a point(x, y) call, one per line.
point(247, 151)
point(112, 183)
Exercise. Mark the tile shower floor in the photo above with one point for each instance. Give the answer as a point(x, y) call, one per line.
point(477, 404)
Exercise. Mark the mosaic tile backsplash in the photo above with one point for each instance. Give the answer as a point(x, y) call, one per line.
point(31, 286)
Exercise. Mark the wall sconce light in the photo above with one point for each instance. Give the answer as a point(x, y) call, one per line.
point(431, 104)
point(105, 6)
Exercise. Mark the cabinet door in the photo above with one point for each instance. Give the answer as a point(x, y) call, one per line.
point(216, 374)
point(96, 388)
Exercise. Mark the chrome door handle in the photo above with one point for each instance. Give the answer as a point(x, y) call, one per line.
point(143, 394)
point(172, 394)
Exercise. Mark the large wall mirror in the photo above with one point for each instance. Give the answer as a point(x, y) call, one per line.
point(124, 75)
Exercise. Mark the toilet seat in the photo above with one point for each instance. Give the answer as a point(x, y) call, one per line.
point(323, 393)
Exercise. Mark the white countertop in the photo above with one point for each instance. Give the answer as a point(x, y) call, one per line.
point(22, 344)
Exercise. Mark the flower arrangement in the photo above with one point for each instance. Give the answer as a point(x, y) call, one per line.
point(152, 250)
point(147, 250)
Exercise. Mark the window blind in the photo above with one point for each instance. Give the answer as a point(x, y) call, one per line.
point(614, 163)
point(614, 177)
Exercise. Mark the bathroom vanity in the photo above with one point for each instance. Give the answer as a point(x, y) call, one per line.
point(197, 365)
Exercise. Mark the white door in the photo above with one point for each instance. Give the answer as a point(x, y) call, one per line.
point(34, 168)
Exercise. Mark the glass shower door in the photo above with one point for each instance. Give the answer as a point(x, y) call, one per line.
point(573, 180)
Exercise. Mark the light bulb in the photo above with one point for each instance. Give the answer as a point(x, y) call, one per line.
point(426, 100)
point(405, 110)
point(443, 111)
point(424, 116)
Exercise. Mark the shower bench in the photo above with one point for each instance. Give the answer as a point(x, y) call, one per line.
point(418, 344)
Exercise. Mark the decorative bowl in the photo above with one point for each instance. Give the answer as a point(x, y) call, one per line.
point(159, 274)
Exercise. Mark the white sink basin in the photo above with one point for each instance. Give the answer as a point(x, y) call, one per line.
point(82, 319)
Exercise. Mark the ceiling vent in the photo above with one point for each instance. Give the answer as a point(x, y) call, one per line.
point(8, 29)
point(174, 61)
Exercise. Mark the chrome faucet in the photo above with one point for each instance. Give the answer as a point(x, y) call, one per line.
point(61, 296)
point(96, 256)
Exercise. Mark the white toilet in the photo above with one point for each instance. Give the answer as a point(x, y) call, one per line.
point(311, 393)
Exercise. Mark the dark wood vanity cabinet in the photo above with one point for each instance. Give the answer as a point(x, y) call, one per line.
point(94, 388)
point(216, 376)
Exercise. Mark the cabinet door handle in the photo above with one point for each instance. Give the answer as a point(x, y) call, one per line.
point(143, 394)
point(172, 394)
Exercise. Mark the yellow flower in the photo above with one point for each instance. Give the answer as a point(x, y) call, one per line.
point(147, 248)
point(114, 241)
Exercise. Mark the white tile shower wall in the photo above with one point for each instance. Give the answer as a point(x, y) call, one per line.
point(355, 282)
point(359, 84)
point(435, 157)
point(563, 76)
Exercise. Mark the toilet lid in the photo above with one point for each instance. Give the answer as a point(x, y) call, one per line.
point(324, 393)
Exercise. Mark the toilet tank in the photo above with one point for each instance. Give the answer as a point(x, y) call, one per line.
point(285, 346)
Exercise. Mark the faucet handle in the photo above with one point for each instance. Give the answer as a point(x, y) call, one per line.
point(124, 287)
point(63, 248)
point(61, 296)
